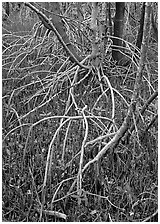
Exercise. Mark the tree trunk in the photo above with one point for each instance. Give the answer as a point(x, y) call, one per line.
point(109, 17)
point(155, 29)
point(7, 8)
point(140, 32)
point(118, 31)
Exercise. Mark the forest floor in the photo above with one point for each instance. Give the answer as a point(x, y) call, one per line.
point(120, 187)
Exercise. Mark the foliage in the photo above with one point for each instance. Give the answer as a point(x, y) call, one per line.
point(57, 117)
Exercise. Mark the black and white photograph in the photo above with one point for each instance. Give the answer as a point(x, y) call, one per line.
point(79, 111)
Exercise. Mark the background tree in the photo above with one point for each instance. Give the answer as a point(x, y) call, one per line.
point(140, 32)
point(118, 31)
point(7, 8)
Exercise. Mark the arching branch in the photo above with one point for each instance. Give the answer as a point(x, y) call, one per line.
point(49, 25)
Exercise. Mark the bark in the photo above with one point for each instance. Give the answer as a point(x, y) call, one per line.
point(109, 18)
point(140, 32)
point(94, 28)
point(7, 9)
point(118, 31)
point(155, 29)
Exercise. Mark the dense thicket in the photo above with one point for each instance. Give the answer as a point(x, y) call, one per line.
point(80, 111)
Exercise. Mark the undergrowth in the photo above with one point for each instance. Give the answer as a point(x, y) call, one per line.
point(49, 106)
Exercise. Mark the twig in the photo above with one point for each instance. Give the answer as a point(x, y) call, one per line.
point(122, 209)
point(148, 102)
point(112, 94)
point(54, 213)
point(63, 181)
point(99, 138)
point(34, 185)
point(151, 123)
point(151, 216)
point(79, 177)
point(49, 164)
